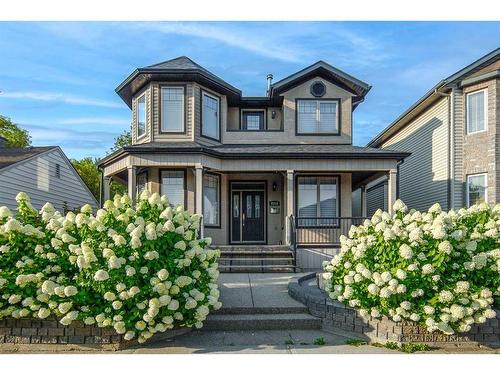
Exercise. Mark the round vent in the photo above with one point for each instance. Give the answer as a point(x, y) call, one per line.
point(318, 89)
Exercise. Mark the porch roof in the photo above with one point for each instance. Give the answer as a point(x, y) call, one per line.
point(256, 151)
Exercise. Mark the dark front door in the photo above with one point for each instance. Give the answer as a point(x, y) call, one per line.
point(252, 216)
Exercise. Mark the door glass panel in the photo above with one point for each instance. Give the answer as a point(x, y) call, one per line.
point(257, 206)
point(249, 207)
point(236, 205)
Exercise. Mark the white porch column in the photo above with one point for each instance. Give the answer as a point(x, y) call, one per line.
point(363, 201)
point(199, 194)
point(132, 181)
point(289, 203)
point(106, 181)
point(391, 189)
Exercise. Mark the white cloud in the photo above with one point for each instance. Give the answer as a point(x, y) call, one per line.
point(94, 121)
point(59, 97)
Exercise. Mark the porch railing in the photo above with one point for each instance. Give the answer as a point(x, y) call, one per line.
point(323, 230)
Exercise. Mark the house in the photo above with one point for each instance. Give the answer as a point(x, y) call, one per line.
point(45, 174)
point(277, 169)
point(453, 134)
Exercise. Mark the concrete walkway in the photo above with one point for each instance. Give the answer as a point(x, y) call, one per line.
point(260, 290)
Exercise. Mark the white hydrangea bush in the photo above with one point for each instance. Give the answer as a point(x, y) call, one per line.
point(440, 269)
point(139, 269)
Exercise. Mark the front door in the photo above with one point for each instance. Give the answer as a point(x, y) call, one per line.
point(247, 216)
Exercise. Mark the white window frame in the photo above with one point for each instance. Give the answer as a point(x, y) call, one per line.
point(485, 111)
point(162, 109)
point(203, 127)
point(218, 223)
point(137, 117)
point(485, 175)
point(318, 106)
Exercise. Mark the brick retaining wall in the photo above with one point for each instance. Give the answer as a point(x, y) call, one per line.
point(50, 331)
point(338, 317)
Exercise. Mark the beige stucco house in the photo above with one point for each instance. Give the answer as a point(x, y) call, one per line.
point(453, 134)
point(266, 171)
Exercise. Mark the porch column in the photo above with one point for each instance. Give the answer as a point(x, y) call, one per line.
point(132, 181)
point(106, 181)
point(363, 201)
point(199, 194)
point(289, 203)
point(391, 189)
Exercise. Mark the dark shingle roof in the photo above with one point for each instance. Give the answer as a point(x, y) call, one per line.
point(262, 151)
point(9, 156)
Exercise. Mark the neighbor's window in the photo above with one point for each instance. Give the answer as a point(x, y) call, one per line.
point(210, 116)
point(317, 200)
point(252, 120)
point(211, 199)
point(172, 109)
point(141, 116)
point(172, 185)
point(477, 111)
point(477, 186)
point(142, 180)
point(317, 116)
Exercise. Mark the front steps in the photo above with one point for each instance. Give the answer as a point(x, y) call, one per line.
point(256, 258)
point(255, 319)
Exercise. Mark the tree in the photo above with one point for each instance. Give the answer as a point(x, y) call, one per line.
point(90, 174)
point(124, 139)
point(15, 136)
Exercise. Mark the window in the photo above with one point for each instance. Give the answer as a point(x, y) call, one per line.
point(141, 116)
point(252, 120)
point(317, 200)
point(210, 116)
point(172, 109)
point(317, 117)
point(477, 111)
point(141, 183)
point(477, 186)
point(211, 200)
point(173, 186)
point(58, 171)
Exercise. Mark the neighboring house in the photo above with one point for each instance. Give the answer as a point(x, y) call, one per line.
point(256, 168)
point(45, 174)
point(453, 134)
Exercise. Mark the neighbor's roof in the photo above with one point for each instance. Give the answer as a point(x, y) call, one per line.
point(9, 156)
point(432, 95)
point(253, 151)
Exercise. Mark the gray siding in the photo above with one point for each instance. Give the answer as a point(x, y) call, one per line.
point(36, 177)
point(424, 174)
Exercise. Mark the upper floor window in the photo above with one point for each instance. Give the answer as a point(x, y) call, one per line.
point(477, 187)
point(141, 116)
point(252, 120)
point(210, 116)
point(317, 116)
point(172, 109)
point(477, 111)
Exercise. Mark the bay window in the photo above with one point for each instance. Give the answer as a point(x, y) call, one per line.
point(172, 109)
point(211, 199)
point(173, 185)
point(141, 116)
point(210, 116)
point(317, 116)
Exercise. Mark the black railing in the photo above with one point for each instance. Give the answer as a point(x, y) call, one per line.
point(323, 230)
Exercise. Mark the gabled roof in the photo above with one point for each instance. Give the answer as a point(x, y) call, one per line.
point(323, 69)
point(434, 93)
point(10, 156)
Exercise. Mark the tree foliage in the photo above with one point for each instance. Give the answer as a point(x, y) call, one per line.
point(15, 136)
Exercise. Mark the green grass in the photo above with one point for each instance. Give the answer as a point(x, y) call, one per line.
point(289, 342)
point(405, 348)
point(356, 342)
point(319, 341)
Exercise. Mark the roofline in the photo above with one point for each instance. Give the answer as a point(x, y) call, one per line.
point(258, 155)
point(28, 158)
point(472, 66)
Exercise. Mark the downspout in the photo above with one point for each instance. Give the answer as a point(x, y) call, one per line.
point(101, 187)
point(449, 148)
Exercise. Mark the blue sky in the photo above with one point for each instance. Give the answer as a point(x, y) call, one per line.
point(57, 79)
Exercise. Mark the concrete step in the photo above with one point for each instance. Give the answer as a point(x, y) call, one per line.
point(252, 248)
point(257, 268)
point(261, 310)
point(261, 322)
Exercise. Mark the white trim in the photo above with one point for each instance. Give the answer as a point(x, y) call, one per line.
point(137, 136)
point(203, 117)
point(485, 90)
point(485, 174)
